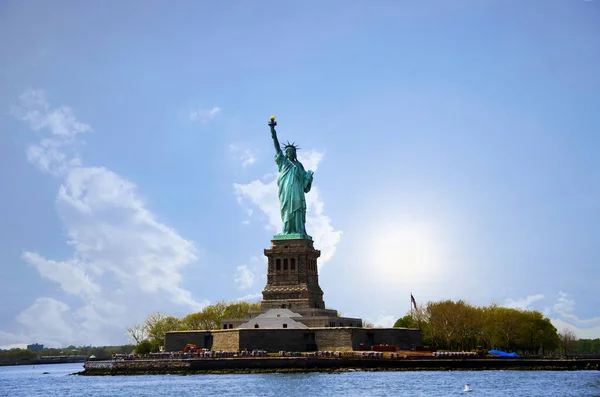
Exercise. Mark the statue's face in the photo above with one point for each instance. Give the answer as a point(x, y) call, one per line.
point(290, 153)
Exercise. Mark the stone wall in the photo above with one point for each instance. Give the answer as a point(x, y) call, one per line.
point(274, 340)
point(403, 338)
point(334, 339)
point(279, 364)
point(226, 340)
point(295, 340)
point(176, 340)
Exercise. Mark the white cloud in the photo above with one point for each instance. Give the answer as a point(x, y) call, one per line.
point(70, 275)
point(264, 194)
point(564, 304)
point(57, 153)
point(125, 264)
point(246, 156)
point(523, 303)
point(12, 341)
point(560, 314)
point(50, 320)
point(204, 115)
point(244, 277)
point(588, 332)
point(13, 346)
point(385, 320)
point(251, 297)
point(563, 318)
point(36, 111)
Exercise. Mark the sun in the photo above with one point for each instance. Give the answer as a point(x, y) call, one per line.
point(405, 252)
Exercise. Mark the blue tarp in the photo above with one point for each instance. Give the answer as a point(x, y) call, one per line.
point(503, 354)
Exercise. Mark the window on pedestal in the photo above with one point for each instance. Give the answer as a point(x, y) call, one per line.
point(285, 264)
point(278, 264)
point(293, 264)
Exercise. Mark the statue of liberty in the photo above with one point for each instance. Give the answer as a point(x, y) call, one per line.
point(293, 183)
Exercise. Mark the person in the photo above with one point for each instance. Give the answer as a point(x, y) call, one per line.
point(467, 388)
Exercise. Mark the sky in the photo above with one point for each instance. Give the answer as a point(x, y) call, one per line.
point(454, 146)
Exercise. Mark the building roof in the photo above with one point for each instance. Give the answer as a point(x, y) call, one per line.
point(275, 318)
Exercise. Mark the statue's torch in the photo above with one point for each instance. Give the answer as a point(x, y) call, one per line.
point(272, 123)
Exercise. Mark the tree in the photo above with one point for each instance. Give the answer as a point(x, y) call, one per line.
point(153, 319)
point(442, 324)
point(568, 341)
point(459, 325)
point(137, 333)
point(210, 317)
point(144, 347)
point(406, 322)
point(367, 324)
point(156, 333)
point(156, 325)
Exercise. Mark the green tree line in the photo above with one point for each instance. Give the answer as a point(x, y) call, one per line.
point(450, 325)
point(17, 355)
point(150, 335)
point(588, 346)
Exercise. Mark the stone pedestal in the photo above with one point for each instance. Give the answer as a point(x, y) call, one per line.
point(292, 276)
point(292, 284)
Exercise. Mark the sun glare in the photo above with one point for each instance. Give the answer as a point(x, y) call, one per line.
point(405, 252)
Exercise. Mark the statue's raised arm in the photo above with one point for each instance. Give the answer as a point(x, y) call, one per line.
point(272, 124)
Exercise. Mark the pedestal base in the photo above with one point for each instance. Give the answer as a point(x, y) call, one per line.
point(292, 276)
point(292, 236)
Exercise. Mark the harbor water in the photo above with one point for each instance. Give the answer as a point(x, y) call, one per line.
point(56, 380)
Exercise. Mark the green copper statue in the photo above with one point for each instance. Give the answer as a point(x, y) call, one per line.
point(293, 182)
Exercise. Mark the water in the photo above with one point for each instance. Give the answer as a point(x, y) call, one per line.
point(29, 381)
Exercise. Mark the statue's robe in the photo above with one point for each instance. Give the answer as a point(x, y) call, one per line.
point(293, 182)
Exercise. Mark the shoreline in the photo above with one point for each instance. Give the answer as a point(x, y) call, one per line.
point(251, 365)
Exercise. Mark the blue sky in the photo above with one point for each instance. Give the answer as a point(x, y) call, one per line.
point(454, 148)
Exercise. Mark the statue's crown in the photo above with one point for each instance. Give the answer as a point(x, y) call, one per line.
point(288, 144)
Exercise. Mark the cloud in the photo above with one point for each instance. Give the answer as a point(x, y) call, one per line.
point(251, 297)
point(562, 316)
point(70, 275)
point(125, 264)
point(49, 320)
point(244, 277)
point(264, 195)
point(246, 156)
point(204, 115)
point(13, 346)
point(384, 320)
point(523, 303)
point(592, 332)
point(564, 304)
point(11, 341)
point(56, 153)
